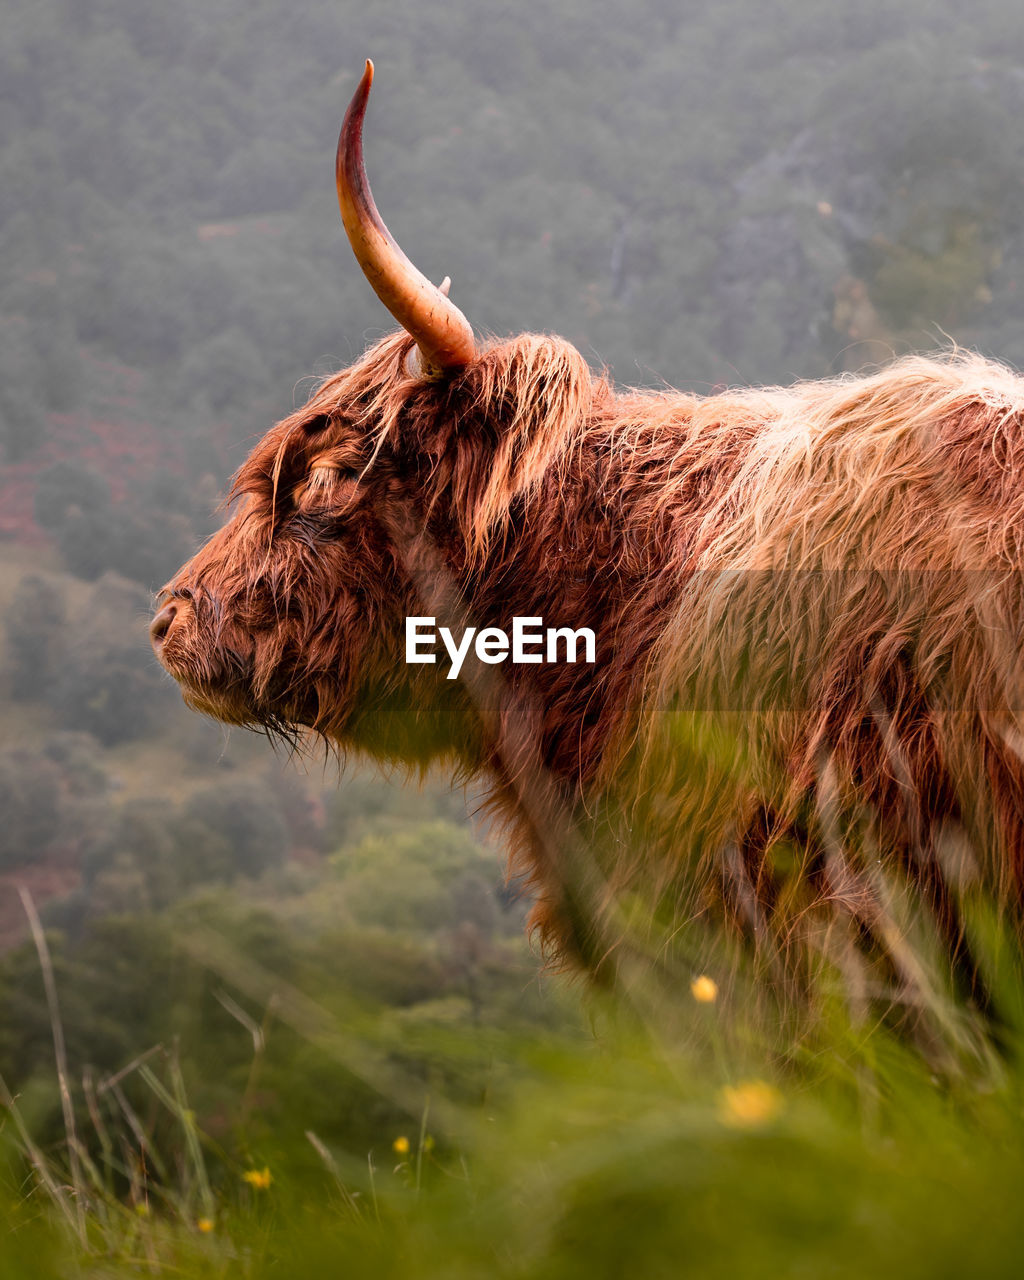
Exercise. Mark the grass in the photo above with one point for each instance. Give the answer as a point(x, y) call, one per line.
point(613, 1162)
point(687, 1144)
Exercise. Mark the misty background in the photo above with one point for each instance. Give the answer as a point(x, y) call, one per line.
point(699, 195)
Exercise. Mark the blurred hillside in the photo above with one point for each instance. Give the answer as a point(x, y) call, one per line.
point(701, 195)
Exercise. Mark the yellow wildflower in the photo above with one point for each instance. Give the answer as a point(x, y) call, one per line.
point(704, 989)
point(401, 1146)
point(749, 1105)
point(260, 1179)
point(142, 1209)
point(205, 1225)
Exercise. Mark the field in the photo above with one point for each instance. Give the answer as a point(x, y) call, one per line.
point(401, 1096)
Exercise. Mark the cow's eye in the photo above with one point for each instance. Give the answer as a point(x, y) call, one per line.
point(323, 479)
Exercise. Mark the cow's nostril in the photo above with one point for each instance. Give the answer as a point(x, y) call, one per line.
point(161, 624)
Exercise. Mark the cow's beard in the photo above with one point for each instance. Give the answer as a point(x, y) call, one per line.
point(225, 679)
point(288, 720)
point(233, 701)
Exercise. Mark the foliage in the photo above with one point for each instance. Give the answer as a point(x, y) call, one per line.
point(286, 1122)
point(96, 535)
point(28, 801)
point(107, 684)
point(439, 876)
point(34, 627)
point(230, 828)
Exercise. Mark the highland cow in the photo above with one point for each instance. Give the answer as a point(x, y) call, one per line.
point(806, 602)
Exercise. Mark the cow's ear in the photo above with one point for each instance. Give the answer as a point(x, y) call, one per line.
point(536, 394)
point(547, 392)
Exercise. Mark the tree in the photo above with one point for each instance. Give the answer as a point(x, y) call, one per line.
point(29, 802)
point(109, 684)
point(35, 635)
point(231, 829)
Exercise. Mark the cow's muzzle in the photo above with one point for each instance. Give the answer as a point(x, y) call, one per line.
point(171, 614)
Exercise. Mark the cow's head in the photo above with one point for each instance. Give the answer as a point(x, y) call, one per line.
point(347, 512)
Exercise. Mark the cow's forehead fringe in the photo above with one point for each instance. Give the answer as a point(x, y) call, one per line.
point(519, 412)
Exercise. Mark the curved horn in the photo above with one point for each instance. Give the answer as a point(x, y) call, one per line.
point(443, 334)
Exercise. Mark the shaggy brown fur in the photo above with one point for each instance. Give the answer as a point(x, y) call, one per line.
point(807, 603)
